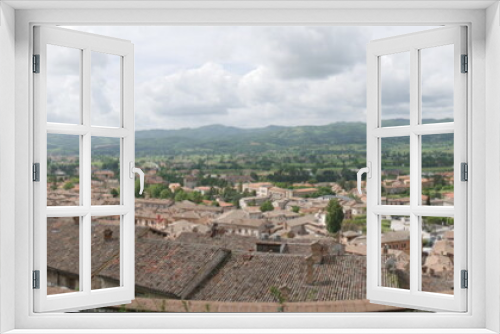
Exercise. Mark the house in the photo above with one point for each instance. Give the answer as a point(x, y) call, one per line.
point(203, 190)
point(348, 236)
point(154, 179)
point(246, 227)
point(276, 193)
point(177, 227)
point(308, 224)
point(190, 181)
point(261, 189)
point(174, 186)
point(252, 201)
point(399, 240)
point(104, 174)
point(358, 209)
point(303, 192)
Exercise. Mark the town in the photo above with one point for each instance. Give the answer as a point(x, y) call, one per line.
point(208, 241)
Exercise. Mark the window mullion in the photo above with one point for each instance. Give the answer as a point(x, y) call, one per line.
point(414, 170)
point(85, 163)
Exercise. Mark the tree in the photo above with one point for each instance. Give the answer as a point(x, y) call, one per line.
point(68, 185)
point(267, 206)
point(195, 197)
point(115, 192)
point(180, 195)
point(334, 216)
point(295, 209)
point(165, 193)
point(428, 200)
point(155, 190)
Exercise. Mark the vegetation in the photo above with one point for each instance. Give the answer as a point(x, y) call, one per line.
point(285, 156)
point(267, 206)
point(68, 185)
point(334, 216)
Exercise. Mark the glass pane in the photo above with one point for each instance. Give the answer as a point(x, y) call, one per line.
point(437, 254)
point(437, 75)
point(437, 170)
point(105, 171)
point(106, 87)
point(395, 171)
point(395, 89)
point(63, 84)
point(63, 255)
point(395, 245)
point(63, 170)
point(105, 252)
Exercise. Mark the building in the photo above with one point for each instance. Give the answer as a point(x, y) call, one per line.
point(399, 240)
point(303, 192)
point(261, 189)
point(190, 181)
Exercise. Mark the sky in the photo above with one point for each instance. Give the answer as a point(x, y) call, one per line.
point(249, 76)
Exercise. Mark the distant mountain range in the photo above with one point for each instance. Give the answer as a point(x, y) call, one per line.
point(226, 139)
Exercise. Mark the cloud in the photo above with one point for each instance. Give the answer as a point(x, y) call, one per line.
point(255, 76)
point(395, 85)
point(105, 89)
point(313, 52)
point(63, 84)
point(206, 90)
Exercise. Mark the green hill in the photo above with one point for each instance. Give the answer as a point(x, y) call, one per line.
point(220, 139)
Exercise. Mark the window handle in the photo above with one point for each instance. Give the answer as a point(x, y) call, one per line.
point(134, 170)
point(368, 171)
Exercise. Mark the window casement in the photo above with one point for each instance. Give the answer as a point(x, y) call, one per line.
point(413, 134)
point(84, 48)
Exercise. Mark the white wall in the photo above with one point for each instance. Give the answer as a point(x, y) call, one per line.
point(493, 162)
point(7, 160)
point(478, 122)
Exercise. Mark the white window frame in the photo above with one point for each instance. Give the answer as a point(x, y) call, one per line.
point(125, 133)
point(413, 44)
point(484, 308)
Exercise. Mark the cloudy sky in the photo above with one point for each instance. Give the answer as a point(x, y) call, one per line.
point(255, 77)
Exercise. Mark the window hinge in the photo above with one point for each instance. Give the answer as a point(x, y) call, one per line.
point(36, 172)
point(36, 279)
point(36, 63)
point(464, 172)
point(464, 279)
point(465, 64)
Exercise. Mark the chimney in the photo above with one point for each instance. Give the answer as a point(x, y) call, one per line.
point(285, 292)
point(213, 230)
point(108, 235)
point(317, 252)
point(309, 270)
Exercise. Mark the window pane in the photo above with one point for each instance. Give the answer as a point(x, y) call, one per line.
point(63, 170)
point(105, 252)
point(437, 254)
point(437, 170)
point(105, 171)
point(395, 171)
point(395, 89)
point(395, 245)
point(106, 87)
point(63, 255)
point(437, 80)
point(63, 84)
